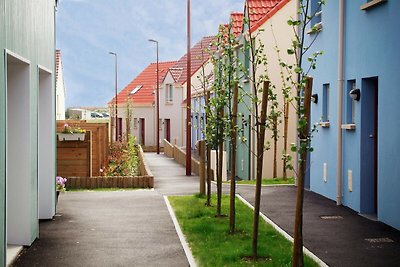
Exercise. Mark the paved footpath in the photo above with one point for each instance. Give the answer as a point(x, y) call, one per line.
point(121, 228)
point(133, 228)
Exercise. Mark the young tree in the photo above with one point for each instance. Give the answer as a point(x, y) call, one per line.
point(260, 94)
point(205, 86)
point(298, 83)
point(221, 116)
point(216, 122)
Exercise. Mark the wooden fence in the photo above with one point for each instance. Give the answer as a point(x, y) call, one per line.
point(99, 150)
point(110, 182)
point(74, 157)
point(145, 180)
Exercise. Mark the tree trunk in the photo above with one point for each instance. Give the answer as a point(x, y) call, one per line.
point(233, 160)
point(209, 173)
point(275, 122)
point(260, 155)
point(298, 260)
point(285, 137)
point(220, 157)
point(208, 160)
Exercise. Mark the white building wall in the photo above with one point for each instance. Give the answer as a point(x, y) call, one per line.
point(172, 110)
point(60, 93)
point(277, 28)
point(137, 112)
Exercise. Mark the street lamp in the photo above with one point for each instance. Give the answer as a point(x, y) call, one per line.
point(116, 93)
point(158, 102)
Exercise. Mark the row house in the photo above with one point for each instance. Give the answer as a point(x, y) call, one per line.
point(136, 105)
point(266, 21)
point(355, 161)
point(137, 101)
point(27, 121)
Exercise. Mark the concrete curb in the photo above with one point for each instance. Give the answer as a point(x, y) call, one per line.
point(181, 236)
point(13, 252)
point(285, 234)
point(253, 185)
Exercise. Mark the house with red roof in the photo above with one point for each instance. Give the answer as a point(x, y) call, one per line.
point(136, 105)
point(267, 21)
point(60, 88)
point(137, 101)
point(174, 95)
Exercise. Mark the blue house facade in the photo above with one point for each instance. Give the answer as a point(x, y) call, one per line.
point(355, 158)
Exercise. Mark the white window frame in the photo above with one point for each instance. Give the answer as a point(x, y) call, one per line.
point(169, 93)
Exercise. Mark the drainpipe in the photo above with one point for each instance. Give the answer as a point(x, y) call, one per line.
point(339, 179)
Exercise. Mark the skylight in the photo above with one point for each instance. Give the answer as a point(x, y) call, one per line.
point(137, 88)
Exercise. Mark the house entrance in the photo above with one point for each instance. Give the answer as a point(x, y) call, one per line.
point(20, 191)
point(46, 146)
point(142, 131)
point(119, 127)
point(369, 145)
point(167, 127)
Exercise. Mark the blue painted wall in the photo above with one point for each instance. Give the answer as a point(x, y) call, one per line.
point(371, 40)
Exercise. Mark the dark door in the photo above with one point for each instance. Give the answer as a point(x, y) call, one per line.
point(119, 125)
point(167, 127)
point(142, 131)
point(369, 146)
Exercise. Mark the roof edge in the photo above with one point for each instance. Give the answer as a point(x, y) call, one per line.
point(267, 16)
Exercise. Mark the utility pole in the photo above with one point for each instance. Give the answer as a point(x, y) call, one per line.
point(188, 100)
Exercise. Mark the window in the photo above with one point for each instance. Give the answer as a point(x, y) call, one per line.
point(137, 88)
point(135, 123)
point(316, 15)
point(371, 3)
point(160, 123)
point(350, 103)
point(325, 102)
point(169, 93)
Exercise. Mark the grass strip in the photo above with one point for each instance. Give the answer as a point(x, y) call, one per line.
point(211, 243)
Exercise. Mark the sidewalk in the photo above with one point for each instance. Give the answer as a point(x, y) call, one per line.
point(121, 228)
point(348, 240)
point(133, 228)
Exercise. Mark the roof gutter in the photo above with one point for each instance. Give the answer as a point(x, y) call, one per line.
point(339, 167)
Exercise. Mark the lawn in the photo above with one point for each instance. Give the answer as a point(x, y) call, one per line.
point(211, 243)
point(274, 181)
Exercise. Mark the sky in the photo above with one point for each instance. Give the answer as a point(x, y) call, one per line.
point(87, 30)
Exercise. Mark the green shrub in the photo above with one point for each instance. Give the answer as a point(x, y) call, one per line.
point(123, 159)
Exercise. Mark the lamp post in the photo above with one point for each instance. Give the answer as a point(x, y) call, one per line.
point(157, 100)
point(188, 100)
point(116, 94)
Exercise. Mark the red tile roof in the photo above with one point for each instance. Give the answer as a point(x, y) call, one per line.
point(261, 10)
point(198, 57)
point(145, 84)
point(237, 22)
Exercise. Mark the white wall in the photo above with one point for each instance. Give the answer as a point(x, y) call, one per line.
point(18, 149)
point(46, 146)
point(172, 111)
point(277, 28)
point(60, 93)
point(146, 112)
